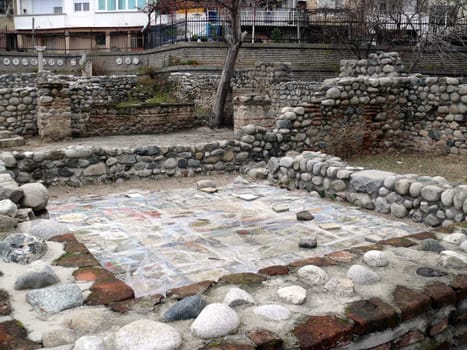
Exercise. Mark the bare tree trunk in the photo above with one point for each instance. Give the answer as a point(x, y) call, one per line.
point(224, 84)
point(234, 38)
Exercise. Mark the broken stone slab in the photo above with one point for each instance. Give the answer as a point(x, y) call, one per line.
point(209, 190)
point(329, 226)
point(205, 184)
point(247, 196)
point(280, 207)
point(51, 300)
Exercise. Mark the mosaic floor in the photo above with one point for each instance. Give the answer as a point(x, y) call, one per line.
point(155, 241)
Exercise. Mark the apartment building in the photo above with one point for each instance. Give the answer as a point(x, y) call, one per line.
point(77, 25)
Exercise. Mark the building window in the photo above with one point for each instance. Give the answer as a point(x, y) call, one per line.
point(120, 5)
point(100, 39)
point(81, 6)
point(3, 7)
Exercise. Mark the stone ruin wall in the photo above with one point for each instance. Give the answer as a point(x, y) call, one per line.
point(384, 111)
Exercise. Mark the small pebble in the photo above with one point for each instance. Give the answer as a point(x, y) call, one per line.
point(429, 272)
point(431, 245)
point(308, 242)
point(305, 215)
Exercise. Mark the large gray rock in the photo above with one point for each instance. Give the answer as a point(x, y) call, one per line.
point(78, 152)
point(375, 258)
point(38, 275)
point(90, 342)
point(431, 193)
point(95, 170)
point(8, 208)
point(11, 190)
point(89, 321)
point(48, 228)
point(369, 181)
point(450, 258)
point(7, 223)
point(313, 275)
point(35, 196)
point(58, 336)
point(272, 312)
point(51, 300)
point(185, 309)
point(362, 275)
point(216, 320)
point(24, 248)
point(147, 335)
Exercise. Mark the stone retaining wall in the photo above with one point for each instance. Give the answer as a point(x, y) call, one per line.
point(18, 110)
point(367, 114)
point(315, 60)
point(431, 200)
point(80, 165)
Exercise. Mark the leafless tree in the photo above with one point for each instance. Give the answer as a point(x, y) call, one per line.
point(438, 27)
point(233, 37)
point(157, 7)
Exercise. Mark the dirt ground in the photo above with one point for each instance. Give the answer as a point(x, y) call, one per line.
point(180, 138)
point(61, 192)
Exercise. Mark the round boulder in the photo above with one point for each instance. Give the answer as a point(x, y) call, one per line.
point(147, 335)
point(216, 320)
point(35, 196)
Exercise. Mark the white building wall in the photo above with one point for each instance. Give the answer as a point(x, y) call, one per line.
point(45, 19)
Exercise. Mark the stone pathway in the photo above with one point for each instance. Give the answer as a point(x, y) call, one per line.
point(167, 239)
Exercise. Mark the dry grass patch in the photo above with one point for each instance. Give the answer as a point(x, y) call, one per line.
point(453, 168)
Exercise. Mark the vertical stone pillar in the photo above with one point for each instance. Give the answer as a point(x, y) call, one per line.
point(53, 110)
point(252, 109)
point(128, 44)
point(40, 57)
point(67, 42)
point(107, 40)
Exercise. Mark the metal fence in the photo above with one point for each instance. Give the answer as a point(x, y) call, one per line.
point(276, 26)
point(293, 26)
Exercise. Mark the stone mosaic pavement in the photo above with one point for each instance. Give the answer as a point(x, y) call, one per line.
point(155, 241)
